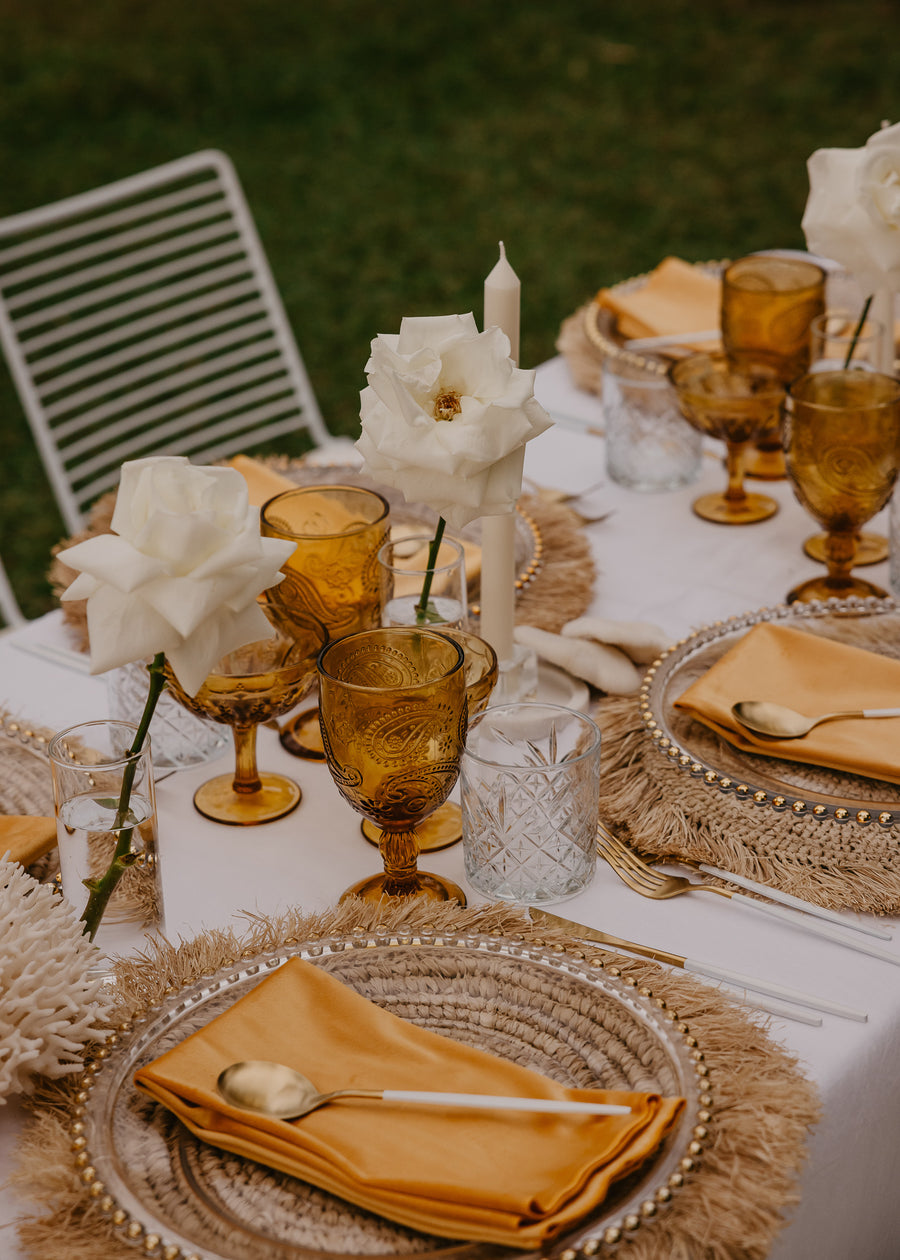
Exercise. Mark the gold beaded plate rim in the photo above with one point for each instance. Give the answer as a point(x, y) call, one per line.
point(106, 1087)
point(529, 544)
point(749, 777)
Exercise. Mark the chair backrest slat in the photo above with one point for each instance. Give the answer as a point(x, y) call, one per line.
point(142, 318)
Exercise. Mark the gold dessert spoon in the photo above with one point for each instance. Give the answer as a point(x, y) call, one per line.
point(276, 1090)
point(777, 721)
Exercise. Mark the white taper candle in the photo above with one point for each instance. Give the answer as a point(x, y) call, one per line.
point(502, 293)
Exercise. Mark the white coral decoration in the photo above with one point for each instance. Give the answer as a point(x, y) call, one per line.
point(49, 1005)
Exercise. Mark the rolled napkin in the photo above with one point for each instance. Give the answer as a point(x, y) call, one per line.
point(509, 1178)
point(604, 653)
point(676, 298)
point(813, 675)
point(25, 838)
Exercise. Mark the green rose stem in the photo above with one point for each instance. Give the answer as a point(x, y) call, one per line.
point(100, 890)
point(857, 330)
point(433, 549)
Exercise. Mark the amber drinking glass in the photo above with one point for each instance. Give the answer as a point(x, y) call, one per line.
point(737, 404)
point(444, 826)
point(332, 575)
point(768, 305)
point(251, 685)
point(840, 339)
point(392, 704)
point(842, 444)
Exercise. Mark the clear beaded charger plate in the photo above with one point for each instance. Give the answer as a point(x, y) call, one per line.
point(174, 1196)
point(791, 786)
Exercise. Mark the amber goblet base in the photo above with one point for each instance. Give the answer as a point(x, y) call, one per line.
point(743, 509)
point(302, 737)
point(276, 797)
point(765, 463)
point(870, 549)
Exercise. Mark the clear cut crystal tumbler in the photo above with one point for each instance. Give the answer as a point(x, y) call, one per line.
point(530, 785)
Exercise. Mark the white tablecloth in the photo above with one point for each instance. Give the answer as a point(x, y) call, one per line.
point(656, 561)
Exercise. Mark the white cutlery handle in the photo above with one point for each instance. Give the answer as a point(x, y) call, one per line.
point(786, 899)
point(712, 972)
point(813, 927)
point(881, 712)
point(782, 1009)
point(490, 1102)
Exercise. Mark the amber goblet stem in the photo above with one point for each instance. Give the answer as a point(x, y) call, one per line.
point(734, 467)
point(246, 775)
point(400, 855)
point(840, 554)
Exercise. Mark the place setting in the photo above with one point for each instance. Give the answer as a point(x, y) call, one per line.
point(400, 667)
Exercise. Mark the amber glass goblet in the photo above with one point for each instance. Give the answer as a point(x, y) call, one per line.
point(768, 305)
point(842, 444)
point(737, 404)
point(332, 575)
point(444, 827)
point(392, 704)
point(251, 685)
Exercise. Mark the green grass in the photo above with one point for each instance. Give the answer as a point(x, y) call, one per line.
point(385, 148)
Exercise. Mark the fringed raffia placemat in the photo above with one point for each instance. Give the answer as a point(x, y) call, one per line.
point(25, 783)
point(731, 1205)
point(559, 591)
point(664, 812)
point(585, 360)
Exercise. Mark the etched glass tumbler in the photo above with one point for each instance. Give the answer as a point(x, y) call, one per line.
point(530, 788)
point(649, 444)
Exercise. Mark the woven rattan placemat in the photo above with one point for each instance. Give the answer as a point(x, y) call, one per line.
point(730, 1201)
point(664, 812)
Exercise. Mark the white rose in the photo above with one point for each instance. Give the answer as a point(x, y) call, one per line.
point(180, 572)
point(852, 215)
point(446, 416)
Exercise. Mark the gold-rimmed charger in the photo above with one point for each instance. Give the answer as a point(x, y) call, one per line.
point(172, 1195)
point(794, 788)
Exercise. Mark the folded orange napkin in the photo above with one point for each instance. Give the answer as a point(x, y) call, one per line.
point(263, 483)
point(813, 675)
point(676, 298)
point(26, 838)
point(503, 1177)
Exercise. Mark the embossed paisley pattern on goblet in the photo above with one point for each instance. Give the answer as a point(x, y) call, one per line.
point(333, 573)
point(393, 705)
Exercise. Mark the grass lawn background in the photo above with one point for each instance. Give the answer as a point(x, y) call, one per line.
point(385, 148)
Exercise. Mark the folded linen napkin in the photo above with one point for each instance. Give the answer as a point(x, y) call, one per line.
point(503, 1177)
point(25, 838)
point(263, 483)
point(604, 653)
point(813, 675)
point(676, 298)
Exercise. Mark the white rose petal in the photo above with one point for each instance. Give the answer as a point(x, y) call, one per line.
point(852, 215)
point(464, 466)
point(181, 572)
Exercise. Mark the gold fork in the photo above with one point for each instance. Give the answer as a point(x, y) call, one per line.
point(642, 878)
point(647, 881)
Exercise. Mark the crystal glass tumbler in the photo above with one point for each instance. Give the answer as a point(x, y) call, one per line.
point(530, 786)
point(649, 444)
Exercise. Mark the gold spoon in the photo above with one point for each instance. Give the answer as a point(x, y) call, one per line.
point(276, 1090)
point(777, 721)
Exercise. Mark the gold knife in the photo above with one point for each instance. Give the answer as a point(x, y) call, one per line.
point(711, 970)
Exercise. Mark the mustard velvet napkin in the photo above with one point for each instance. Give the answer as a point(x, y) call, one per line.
point(501, 1177)
point(677, 298)
point(26, 838)
point(263, 483)
point(813, 675)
